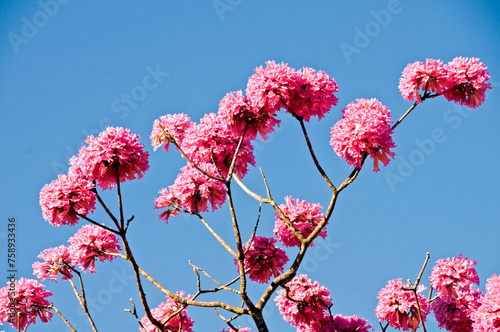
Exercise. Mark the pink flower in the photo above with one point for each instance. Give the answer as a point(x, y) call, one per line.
point(487, 317)
point(469, 77)
point(399, 307)
point(240, 329)
point(364, 128)
point(191, 191)
point(237, 111)
point(454, 313)
point(431, 76)
point(313, 96)
point(271, 88)
point(55, 261)
point(304, 216)
point(28, 303)
point(92, 242)
point(212, 140)
point(168, 128)
point(113, 148)
point(451, 274)
point(179, 322)
point(302, 301)
point(339, 323)
point(66, 196)
point(263, 259)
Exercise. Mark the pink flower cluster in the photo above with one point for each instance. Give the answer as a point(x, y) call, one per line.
point(180, 322)
point(487, 317)
point(55, 261)
point(339, 323)
point(263, 259)
point(28, 303)
point(240, 329)
point(399, 308)
point(463, 80)
point(448, 275)
point(191, 191)
point(363, 130)
point(169, 128)
point(304, 217)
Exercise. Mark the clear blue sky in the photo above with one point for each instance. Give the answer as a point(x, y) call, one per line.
point(69, 69)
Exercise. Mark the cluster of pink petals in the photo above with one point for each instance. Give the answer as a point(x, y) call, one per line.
point(55, 261)
point(29, 302)
point(303, 302)
point(242, 117)
point(454, 313)
point(92, 242)
point(240, 329)
point(313, 95)
point(453, 273)
point(431, 76)
point(363, 129)
point(469, 78)
point(487, 317)
point(399, 308)
point(179, 322)
point(169, 128)
point(212, 140)
point(114, 148)
point(191, 191)
point(66, 196)
point(304, 217)
point(263, 259)
point(338, 323)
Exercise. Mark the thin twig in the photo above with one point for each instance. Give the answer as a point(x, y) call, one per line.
point(62, 317)
point(221, 241)
point(97, 224)
point(134, 312)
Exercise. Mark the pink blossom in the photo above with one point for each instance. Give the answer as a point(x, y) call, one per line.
point(454, 313)
point(55, 261)
point(431, 76)
point(304, 216)
point(313, 96)
point(399, 307)
point(302, 301)
point(452, 273)
point(191, 191)
point(168, 128)
point(212, 140)
point(271, 88)
point(337, 323)
point(113, 148)
point(263, 259)
point(29, 302)
point(238, 112)
point(66, 196)
point(92, 242)
point(487, 317)
point(240, 329)
point(363, 129)
point(469, 77)
point(179, 322)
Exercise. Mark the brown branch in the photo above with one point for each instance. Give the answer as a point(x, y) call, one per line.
point(221, 241)
point(62, 317)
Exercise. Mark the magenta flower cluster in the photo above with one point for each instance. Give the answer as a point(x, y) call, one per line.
point(180, 322)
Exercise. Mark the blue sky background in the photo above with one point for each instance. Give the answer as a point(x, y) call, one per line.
point(69, 75)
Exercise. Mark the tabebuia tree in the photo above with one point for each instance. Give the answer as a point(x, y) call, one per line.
point(218, 152)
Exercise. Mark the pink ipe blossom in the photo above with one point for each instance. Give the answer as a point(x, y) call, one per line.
point(313, 95)
point(339, 323)
point(55, 261)
point(487, 317)
point(114, 149)
point(304, 216)
point(429, 77)
point(302, 302)
point(469, 79)
point(271, 88)
point(263, 259)
point(192, 191)
point(454, 313)
point(399, 308)
point(28, 303)
point(178, 323)
point(453, 273)
point(66, 196)
point(242, 117)
point(92, 242)
point(169, 128)
point(212, 141)
point(363, 129)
